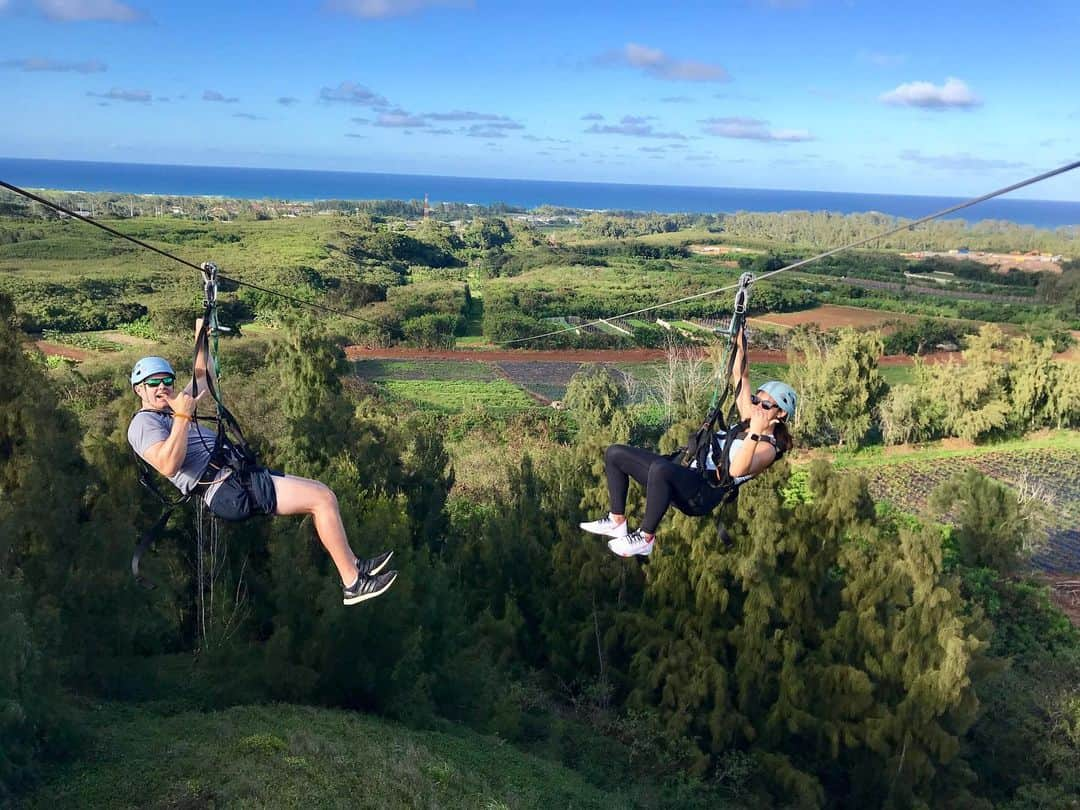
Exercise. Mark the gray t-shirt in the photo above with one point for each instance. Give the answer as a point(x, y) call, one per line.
point(147, 428)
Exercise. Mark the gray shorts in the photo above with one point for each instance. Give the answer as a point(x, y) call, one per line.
point(239, 497)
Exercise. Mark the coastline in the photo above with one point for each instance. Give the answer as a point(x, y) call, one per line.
point(314, 186)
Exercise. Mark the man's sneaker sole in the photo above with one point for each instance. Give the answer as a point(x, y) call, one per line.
point(378, 591)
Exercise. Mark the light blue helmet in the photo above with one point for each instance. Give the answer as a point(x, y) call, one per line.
point(149, 366)
point(783, 394)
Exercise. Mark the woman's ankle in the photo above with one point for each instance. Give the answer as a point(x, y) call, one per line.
point(618, 520)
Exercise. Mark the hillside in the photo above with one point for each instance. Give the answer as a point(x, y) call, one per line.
point(294, 756)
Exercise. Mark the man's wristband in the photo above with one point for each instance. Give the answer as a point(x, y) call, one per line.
point(182, 416)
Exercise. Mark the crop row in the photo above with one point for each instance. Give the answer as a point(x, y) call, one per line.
point(455, 396)
point(430, 370)
point(1047, 475)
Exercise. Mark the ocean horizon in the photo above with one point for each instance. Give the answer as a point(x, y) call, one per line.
point(305, 185)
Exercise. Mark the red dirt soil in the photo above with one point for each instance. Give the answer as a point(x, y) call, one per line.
point(581, 355)
point(56, 350)
point(831, 316)
point(523, 355)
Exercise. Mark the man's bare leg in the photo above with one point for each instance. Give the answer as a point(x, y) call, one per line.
point(303, 496)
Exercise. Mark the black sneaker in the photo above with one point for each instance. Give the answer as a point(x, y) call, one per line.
point(369, 587)
point(369, 568)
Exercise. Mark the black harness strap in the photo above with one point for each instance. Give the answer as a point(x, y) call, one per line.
point(706, 439)
point(720, 488)
point(230, 449)
point(143, 544)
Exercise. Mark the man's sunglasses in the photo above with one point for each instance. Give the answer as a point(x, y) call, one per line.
point(764, 403)
point(155, 382)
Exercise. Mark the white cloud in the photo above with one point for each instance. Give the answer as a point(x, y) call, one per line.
point(214, 95)
point(288, 101)
point(466, 115)
point(353, 93)
point(498, 125)
point(881, 59)
point(380, 9)
point(398, 119)
point(635, 126)
point(117, 94)
point(88, 10)
point(248, 116)
point(753, 129)
point(37, 64)
point(953, 94)
point(545, 139)
point(961, 161)
point(592, 117)
point(659, 65)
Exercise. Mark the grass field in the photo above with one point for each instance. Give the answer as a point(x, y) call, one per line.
point(300, 757)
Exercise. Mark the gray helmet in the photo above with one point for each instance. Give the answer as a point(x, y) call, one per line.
point(783, 394)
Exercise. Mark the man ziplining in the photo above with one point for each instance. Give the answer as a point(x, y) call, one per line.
point(165, 433)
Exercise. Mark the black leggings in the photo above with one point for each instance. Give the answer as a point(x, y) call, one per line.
point(665, 483)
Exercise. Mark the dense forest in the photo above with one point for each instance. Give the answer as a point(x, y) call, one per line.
point(795, 666)
point(825, 650)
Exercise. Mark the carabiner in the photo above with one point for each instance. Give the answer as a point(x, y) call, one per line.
point(210, 283)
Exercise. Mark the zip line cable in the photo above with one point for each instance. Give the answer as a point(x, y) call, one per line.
point(906, 226)
point(61, 209)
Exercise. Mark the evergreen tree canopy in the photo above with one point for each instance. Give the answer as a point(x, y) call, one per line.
point(838, 383)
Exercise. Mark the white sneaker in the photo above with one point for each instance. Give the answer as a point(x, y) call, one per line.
point(634, 543)
point(605, 526)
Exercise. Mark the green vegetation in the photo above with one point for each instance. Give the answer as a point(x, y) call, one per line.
point(516, 663)
point(291, 756)
point(1004, 386)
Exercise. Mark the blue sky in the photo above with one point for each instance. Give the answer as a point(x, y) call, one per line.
point(919, 97)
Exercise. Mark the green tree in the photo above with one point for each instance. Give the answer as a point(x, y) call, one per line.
point(487, 233)
point(990, 526)
point(838, 383)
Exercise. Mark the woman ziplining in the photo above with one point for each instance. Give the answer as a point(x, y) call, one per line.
point(714, 464)
point(221, 469)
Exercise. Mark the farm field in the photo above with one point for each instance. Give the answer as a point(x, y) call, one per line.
point(1049, 474)
point(383, 370)
point(456, 396)
point(832, 316)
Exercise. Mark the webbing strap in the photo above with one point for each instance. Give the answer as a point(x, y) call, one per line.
point(229, 448)
point(146, 539)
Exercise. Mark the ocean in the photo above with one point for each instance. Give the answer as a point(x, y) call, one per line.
point(292, 184)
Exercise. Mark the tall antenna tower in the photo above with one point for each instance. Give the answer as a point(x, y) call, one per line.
point(427, 207)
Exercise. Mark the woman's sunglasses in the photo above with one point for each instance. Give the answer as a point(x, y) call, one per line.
point(764, 403)
point(154, 383)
